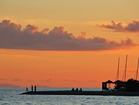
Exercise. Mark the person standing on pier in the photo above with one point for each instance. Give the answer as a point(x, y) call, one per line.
point(26, 89)
point(35, 88)
point(32, 88)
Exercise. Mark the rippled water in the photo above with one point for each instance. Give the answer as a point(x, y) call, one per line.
point(11, 97)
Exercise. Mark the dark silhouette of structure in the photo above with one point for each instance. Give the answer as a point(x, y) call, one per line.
point(124, 74)
point(117, 76)
point(131, 85)
point(137, 70)
point(122, 87)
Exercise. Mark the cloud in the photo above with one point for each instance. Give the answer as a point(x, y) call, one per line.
point(43, 86)
point(92, 81)
point(30, 80)
point(12, 36)
point(2, 79)
point(16, 80)
point(48, 80)
point(65, 80)
point(9, 86)
point(119, 27)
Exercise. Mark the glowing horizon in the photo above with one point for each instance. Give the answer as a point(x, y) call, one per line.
point(67, 43)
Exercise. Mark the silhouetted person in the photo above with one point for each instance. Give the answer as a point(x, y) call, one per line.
point(35, 88)
point(76, 89)
point(80, 89)
point(26, 89)
point(32, 88)
point(72, 89)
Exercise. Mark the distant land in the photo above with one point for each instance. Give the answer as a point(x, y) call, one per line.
point(17, 86)
point(9, 86)
point(43, 86)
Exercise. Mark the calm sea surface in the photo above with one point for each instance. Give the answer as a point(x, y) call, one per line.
point(10, 96)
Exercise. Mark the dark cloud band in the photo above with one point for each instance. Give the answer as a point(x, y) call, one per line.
point(13, 37)
point(119, 27)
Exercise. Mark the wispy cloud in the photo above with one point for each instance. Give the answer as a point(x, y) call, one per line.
point(65, 80)
point(30, 80)
point(48, 80)
point(119, 27)
point(16, 80)
point(9, 86)
point(92, 81)
point(1, 79)
point(12, 36)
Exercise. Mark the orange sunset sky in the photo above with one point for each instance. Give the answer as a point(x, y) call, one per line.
point(67, 43)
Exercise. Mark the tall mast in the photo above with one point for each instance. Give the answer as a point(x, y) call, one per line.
point(117, 77)
point(137, 70)
point(124, 75)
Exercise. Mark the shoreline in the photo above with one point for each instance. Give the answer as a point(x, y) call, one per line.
point(101, 93)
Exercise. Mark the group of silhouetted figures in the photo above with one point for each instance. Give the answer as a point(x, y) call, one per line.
point(76, 89)
point(32, 88)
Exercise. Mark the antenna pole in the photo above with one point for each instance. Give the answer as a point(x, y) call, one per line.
point(125, 68)
point(117, 77)
point(137, 69)
point(124, 74)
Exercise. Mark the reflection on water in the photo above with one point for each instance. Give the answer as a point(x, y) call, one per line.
point(11, 97)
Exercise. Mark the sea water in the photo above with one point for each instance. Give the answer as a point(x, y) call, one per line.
point(10, 96)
